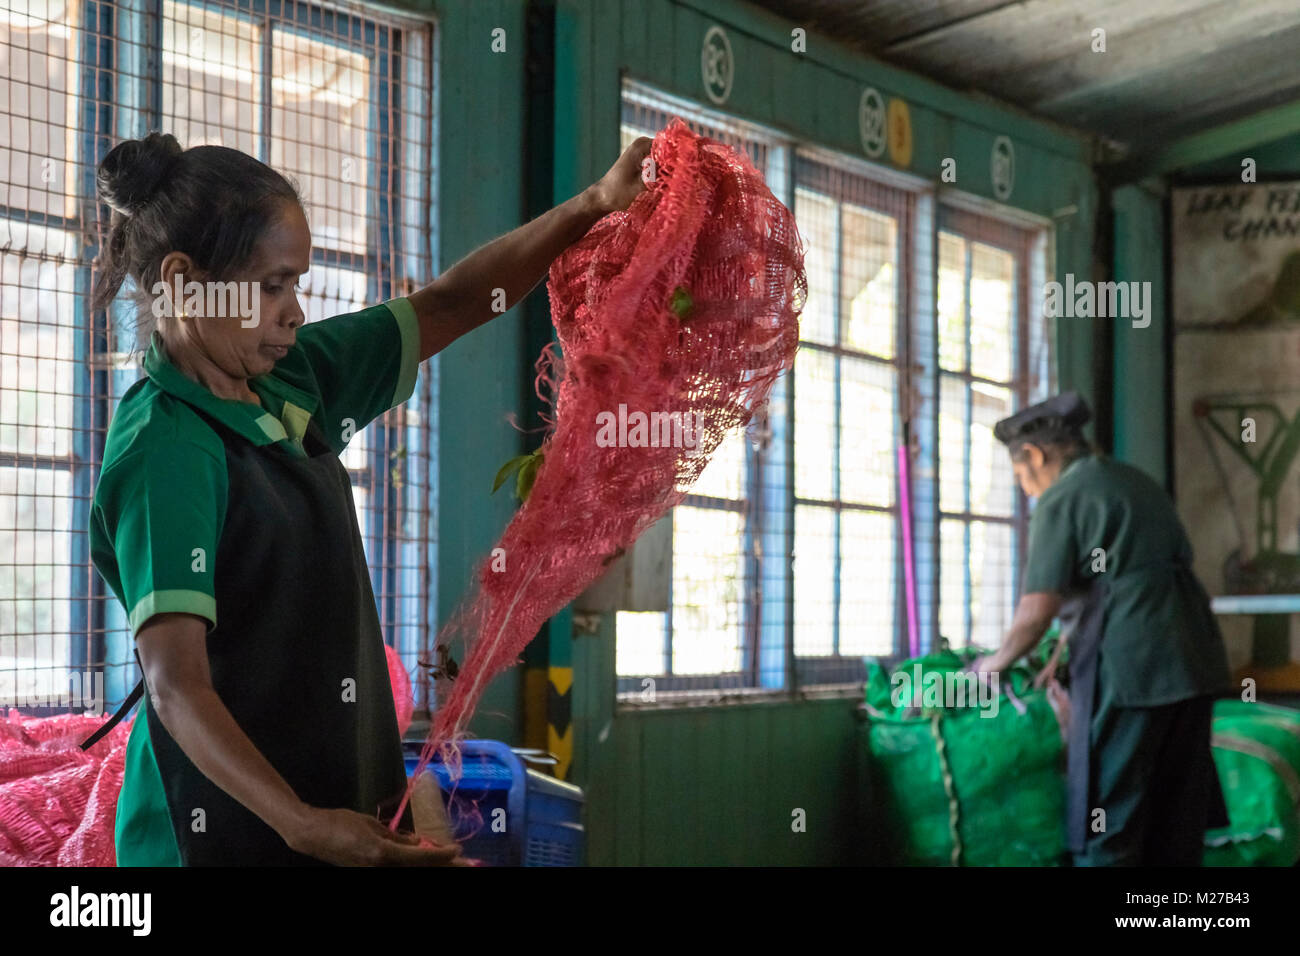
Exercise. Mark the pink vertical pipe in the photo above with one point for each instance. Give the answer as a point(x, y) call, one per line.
point(909, 570)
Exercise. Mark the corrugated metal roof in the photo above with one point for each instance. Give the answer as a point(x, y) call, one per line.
point(1170, 68)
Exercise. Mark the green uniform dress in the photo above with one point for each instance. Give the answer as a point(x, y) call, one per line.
point(243, 515)
point(1147, 659)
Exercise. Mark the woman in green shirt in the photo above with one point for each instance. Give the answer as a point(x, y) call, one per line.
point(224, 522)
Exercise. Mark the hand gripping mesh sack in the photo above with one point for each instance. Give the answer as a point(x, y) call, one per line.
point(682, 309)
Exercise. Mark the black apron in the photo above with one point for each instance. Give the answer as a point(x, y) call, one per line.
point(297, 619)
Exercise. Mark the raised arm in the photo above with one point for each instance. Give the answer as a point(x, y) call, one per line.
point(465, 296)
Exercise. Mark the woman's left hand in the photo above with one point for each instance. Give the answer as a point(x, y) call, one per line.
point(615, 190)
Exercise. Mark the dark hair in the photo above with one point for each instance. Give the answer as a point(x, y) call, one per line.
point(210, 202)
point(1065, 442)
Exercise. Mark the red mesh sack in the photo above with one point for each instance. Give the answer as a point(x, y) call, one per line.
point(687, 303)
point(58, 803)
point(401, 681)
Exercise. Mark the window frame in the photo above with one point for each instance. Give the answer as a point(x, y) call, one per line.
point(912, 194)
point(1025, 238)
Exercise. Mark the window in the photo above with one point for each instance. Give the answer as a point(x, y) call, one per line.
point(339, 99)
point(41, 443)
point(789, 558)
point(716, 634)
point(984, 352)
point(847, 423)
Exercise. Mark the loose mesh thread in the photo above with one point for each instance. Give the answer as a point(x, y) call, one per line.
point(687, 303)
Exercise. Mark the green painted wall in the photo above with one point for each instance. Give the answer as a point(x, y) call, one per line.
point(481, 180)
point(1270, 137)
point(771, 784)
point(719, 784)
point(1276, 159)
point(1142, 378)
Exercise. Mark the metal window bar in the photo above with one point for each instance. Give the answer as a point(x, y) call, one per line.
point(999, 264)
point(849, 410)
point(341, 104)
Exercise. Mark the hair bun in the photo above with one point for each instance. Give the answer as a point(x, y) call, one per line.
point(131, 173)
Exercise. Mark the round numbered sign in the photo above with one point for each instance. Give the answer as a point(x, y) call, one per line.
point(1003, 167)
point(717, 64)
point(871, 122)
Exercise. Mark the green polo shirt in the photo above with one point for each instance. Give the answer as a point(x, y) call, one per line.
point(1161, 643)
point(188, 476)
point(161, 498)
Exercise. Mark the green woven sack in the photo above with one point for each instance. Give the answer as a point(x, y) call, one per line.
point(952, 787)
point(1257, 751)
point(969, 786)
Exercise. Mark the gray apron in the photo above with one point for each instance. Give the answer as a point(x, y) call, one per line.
point(1088, 608)
point(1089, 611)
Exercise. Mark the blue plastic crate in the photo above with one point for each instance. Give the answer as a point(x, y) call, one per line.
point(505, 813)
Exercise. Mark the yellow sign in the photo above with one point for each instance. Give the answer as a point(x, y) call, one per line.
point(900, 133)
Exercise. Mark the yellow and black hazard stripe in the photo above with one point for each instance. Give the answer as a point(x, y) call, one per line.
point(559, 718)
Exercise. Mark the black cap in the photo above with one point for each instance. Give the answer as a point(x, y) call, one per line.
point(1063, 413)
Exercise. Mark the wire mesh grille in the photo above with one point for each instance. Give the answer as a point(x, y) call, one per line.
point(849, 388)
point(987, 341)
point(875, 327)
point(336, 97)
point(908, 339)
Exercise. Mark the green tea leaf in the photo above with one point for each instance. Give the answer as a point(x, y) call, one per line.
point(527, 475)
point(681, 302)
point(506, 470)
